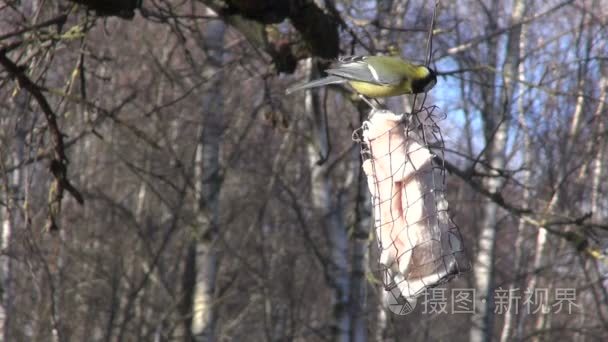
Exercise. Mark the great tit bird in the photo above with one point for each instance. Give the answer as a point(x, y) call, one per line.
point(377, 76)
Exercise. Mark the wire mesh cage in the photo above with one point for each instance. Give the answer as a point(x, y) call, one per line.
point(420, 246)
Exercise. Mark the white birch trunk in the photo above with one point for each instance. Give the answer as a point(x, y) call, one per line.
point(542, 321)
point(498, 119)
point(331, 213)
point(511, 315)
point(10, 218)
point(207, 189)
point(599, 158)
point(10, 221)
point(5, 235)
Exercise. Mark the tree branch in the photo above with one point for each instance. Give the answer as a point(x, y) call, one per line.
point(59, 161)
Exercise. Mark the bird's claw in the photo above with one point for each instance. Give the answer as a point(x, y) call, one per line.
point(378, 106)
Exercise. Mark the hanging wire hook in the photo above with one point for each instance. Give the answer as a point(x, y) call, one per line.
point(429, 42)
point(429, 54)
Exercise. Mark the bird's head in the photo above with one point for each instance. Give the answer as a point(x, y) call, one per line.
point(425, 79)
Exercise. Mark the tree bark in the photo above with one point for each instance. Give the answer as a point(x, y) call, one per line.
point(360, 255)
point(496, 125)
point(520, 246)
point(10, 217)
point(329, 211)
point(599, 158)
point(207, 174)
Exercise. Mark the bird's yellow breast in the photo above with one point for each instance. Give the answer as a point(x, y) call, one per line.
point(375, 90)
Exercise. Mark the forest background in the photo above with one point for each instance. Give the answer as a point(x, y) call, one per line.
point(156, 183)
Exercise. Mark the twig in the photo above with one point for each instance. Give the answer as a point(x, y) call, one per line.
point(59, 20)
point(498, 32)
point(429, 52)
point(59, 161)
point(579, 240)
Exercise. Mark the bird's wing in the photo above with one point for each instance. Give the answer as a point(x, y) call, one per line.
point(315, 83)
point(360, 69)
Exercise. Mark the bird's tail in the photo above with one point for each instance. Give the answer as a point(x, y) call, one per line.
point(315, 83)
